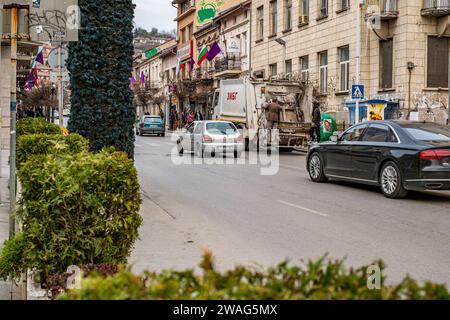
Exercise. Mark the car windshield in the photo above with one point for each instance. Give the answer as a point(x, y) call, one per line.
point(152, 120)
point(221, 128)
point(427, 132)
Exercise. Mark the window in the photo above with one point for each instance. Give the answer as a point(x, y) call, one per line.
point(344, 5)
point(288, 66)
point(378, 133)
point(244, 44)
point(428, 132)
point(437, 62)
point(323, 10)
point(273, 69)
point(323, 72)
point(304, 8)
point(234, 19)
point(191, 128)
point(273, 17)
point(288, 15)
point(183, 35)
point(260, 23)
point(386, 63)
point(353, 134)
point(190, 31)
point(304, 68)
point(221, 128)
point(344, 62)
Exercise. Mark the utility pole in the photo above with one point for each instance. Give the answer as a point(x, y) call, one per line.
point(12, 166)
point(358, 54)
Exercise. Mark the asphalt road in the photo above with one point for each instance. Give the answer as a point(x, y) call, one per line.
point(247, 218)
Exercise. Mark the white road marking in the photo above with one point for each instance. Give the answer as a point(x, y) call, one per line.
point(304, 209)
point(138, 145)
point(170, 143)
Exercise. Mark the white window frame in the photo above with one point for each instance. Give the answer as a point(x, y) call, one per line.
point(323, 73)
point(271, 67)
point(323, 8)
point(288, 15)
point(304, 72)
point(273, 17)
point(344, 70)
point(260, 13)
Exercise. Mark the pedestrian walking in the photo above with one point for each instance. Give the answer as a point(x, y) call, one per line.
point(190, 117)
point(316, 122)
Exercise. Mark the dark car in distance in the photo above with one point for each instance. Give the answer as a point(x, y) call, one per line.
point(398, 156)
point(151, 125)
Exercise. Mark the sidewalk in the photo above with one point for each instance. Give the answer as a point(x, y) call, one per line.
point(5, 287)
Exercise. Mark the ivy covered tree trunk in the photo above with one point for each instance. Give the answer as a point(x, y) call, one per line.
point(100, 64)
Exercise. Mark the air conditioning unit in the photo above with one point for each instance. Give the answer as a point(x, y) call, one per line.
point(303, 19)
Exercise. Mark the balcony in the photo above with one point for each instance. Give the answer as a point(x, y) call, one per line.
point(153, 85)
point(436, 8)
point(228, 66)
point(203, 74)
point(382, 9)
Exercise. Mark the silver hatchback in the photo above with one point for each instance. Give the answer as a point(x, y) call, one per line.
point(211, 138)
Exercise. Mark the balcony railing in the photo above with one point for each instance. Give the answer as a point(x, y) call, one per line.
point(203, 74)
point(231, 63)
point(436, 8)
point(151, 85)
point(384, 9)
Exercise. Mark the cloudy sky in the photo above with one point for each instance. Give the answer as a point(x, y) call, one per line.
point(155, 13)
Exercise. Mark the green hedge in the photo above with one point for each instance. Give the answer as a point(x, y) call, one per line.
point(317, 280)
point(36, 126)
point(43, 144)
point(76, 210)
point(11, 258)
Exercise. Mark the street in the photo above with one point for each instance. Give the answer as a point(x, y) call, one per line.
point(249, 219)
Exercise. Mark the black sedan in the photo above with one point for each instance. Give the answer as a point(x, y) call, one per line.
point(397, 156)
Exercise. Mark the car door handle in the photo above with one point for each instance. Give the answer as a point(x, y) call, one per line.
point(377, 150)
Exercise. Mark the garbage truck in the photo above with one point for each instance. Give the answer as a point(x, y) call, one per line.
point(242, 102)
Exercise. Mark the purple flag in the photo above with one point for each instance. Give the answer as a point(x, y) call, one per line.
point(213, 51)
point(191, 64)
point(40, 58)
point(142, 80)
point(132, 81)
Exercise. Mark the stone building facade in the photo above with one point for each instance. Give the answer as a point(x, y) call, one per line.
point(404, 54)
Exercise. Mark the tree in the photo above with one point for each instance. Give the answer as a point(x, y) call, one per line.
point(100, 64)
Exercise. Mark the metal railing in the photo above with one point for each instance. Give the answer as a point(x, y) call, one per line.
point(385, 6)
point(203, 73)
point(436, 4)
point(228, 63)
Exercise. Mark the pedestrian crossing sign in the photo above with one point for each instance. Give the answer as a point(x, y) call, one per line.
point(358, 92)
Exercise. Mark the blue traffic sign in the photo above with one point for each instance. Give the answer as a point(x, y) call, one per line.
point(358, 92)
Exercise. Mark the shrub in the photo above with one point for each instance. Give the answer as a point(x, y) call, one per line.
point(57, 284)
point(317, 280)
point(78, 209)
point(11, 258)
point(43, 144)
point(36, 126)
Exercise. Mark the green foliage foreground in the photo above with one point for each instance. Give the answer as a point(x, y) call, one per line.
point(78, 209)
point(36, 126)
point(315, 281)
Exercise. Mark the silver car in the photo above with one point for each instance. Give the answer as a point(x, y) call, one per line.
point(211, 138)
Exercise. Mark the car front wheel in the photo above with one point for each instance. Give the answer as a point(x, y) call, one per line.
point(391, 181)
point(315, 168)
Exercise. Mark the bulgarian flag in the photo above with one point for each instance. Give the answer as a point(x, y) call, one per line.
point(202, 55)
point(38, 56)
point(180, 66)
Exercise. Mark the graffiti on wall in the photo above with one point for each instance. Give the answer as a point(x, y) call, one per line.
point(431, 106)
point(208, 10)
